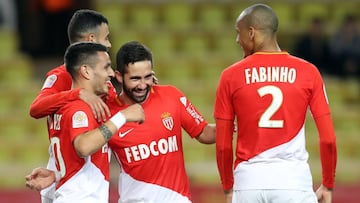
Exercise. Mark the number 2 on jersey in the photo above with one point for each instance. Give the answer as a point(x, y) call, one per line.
point(277, 99)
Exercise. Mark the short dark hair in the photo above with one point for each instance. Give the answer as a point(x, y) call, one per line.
point(131, 52)
point(81, 53)
point(83, 22)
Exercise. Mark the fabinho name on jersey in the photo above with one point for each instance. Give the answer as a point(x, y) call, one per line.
point(155, 148)
point(270, 74)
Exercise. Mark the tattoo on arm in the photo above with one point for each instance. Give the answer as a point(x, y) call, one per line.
point(106, 133)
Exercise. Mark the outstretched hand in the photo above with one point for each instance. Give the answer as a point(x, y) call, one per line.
point(40, 178)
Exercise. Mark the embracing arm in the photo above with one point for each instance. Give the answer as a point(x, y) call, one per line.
point(49, 101)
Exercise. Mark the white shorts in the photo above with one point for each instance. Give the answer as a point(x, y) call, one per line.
point(273, 196)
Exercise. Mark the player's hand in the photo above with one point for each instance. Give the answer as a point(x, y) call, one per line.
point(323, 194)
point(228, 196)
point(40, 178)
point(134, 113)
point(97, 105)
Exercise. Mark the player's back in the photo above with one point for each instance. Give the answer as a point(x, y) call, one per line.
point(270, 93)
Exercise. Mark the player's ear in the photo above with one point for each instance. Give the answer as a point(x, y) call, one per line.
point(118, 76)
point(251, 32)
point(84, 71)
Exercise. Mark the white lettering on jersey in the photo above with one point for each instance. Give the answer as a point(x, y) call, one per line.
point(79, 120)
point(155, 148)
point(198, 118)
point(49, 82)
point(54, 121)
point(270, 74)
point(191, 110)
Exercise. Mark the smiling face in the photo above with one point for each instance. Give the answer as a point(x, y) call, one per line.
point(101, 74)
point(138, 80)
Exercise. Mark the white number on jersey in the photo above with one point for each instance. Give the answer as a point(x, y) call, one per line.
point(55, 144)
point(277, 99)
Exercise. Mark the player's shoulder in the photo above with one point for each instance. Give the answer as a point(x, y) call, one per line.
point(75, 106)
point(58, 75)
point(165, 89)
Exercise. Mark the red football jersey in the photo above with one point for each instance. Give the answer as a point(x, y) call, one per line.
point(151, 153)
point(81, 178)
point(268, 94)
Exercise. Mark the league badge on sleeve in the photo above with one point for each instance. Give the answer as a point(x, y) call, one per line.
point(49, 82)
point(80, 120)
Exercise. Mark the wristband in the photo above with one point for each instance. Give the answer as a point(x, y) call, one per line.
point(57, 176)
point(118, 120)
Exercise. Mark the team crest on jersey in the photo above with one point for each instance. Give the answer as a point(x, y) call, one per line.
point(80, 120)
point(167, 120)
point(49, 82)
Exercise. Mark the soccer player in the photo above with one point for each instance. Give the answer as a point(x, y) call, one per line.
point(268, 93)
point(78, 140)
point(85, 25)
point(150, 155)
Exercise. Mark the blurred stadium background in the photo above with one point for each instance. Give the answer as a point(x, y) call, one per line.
point(192, 42)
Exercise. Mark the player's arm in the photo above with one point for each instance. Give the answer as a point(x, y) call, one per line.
point(208, 134)
point(56, 93)
point(224, 153)
point(328, 156)
point(49, 101)
point(89, 142)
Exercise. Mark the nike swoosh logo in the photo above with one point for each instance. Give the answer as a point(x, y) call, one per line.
point(125, 133)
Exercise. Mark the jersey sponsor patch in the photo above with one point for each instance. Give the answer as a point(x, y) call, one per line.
point(167, 120)
point(80, 120)
point(49, 82)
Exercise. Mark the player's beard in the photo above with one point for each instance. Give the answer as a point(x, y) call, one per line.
point(130, 93)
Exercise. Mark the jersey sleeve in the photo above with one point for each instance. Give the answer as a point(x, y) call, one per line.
point(223, 101)
point(81, 120)
point(321, 113)
point(53, 95)
point(191, 119)
point(224, 152)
